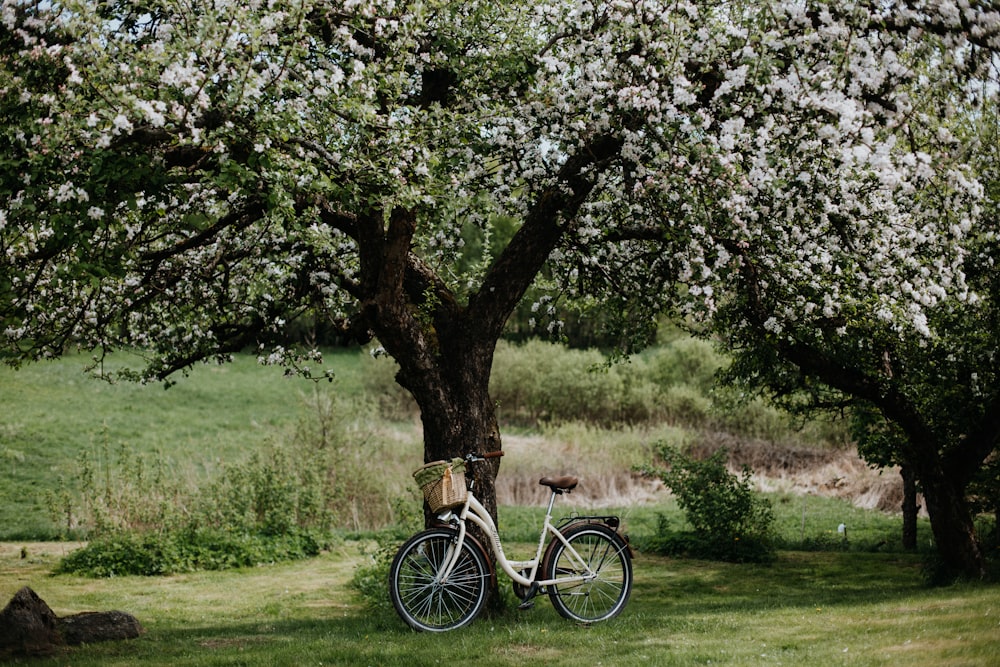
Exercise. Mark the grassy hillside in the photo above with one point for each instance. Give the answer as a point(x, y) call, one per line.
point(52, 414)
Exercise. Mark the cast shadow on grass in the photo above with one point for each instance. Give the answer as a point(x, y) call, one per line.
point(794, 580)
point(669, 596)
point(350, 639)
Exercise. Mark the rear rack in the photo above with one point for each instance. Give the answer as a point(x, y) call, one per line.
point(610, 521)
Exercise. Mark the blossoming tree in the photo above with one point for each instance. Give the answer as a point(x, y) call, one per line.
point(186, 178)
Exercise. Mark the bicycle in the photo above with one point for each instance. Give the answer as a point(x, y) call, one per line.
point(439, 579)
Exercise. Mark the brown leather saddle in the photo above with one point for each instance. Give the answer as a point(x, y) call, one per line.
point(560, 484)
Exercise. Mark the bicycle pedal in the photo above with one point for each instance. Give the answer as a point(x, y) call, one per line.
point(528, 601)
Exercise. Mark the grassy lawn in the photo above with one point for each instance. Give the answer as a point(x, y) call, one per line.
point(859, 602)
point(805, 609)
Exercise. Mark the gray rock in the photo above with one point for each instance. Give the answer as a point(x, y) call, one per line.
point(98, 626)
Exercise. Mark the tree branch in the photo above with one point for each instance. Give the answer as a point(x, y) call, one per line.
point(515, 269)
point(240, 219)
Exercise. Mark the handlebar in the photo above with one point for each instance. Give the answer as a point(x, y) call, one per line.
point(482, 457)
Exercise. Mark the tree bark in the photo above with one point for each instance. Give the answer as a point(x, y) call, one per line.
point(459, 417)
point(951, 523)
point(910, 508)
point(943, 477)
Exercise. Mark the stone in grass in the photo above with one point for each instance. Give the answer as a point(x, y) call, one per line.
point(29, 627)
point(98, 626)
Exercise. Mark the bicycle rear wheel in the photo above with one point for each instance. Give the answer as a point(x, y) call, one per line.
point(421, 599)
point(599, 550)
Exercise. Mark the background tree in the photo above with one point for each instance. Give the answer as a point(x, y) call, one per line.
point(915, 362)
point(189, 178)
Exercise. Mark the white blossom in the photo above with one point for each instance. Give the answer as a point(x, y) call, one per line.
point(121, 124)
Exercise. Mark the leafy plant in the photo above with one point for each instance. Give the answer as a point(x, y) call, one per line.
point(159, 553)
point(370, 579)
point(730, 520)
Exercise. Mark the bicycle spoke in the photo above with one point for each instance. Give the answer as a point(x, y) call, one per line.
point(419, 595)
point(596, 556)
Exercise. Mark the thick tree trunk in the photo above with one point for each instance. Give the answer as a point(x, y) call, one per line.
point(910, 508)
point(459, 418)
point(951, 523)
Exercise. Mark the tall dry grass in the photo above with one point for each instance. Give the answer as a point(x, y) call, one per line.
point(605, 460)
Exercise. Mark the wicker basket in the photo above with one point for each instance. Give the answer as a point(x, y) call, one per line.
point(443, 484)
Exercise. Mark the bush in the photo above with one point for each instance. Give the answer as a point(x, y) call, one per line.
point(542, 382)
point(729, 520)
point(274, 493)
point(160, 553)
point(539, 382)
point(371, 580)
point(265, 510)
point(685, 361)
point(684, 404)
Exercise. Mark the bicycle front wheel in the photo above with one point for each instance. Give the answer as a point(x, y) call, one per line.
point(418, 594)
point(601, 558)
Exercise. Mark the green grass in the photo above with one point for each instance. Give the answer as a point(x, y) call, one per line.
point(805, 609)
point(52, 413)
point(811, 521)
point(801, 523)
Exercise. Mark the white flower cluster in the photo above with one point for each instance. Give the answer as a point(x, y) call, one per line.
point(744, 148)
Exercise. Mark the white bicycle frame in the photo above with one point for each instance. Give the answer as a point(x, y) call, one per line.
point(474, 511)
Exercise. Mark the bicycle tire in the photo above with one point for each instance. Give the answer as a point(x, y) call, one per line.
point(607, 555)
point(423, 603)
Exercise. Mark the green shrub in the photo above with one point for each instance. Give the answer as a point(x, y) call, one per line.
point(156, 553)
point(579, 388)
point(729, 520)
point(640, 397)
point(260, 511)
point(684, 361)
point(271, 493)
point(750, 418)
point(122, 554)
point(684, 404)
point(539, 382)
